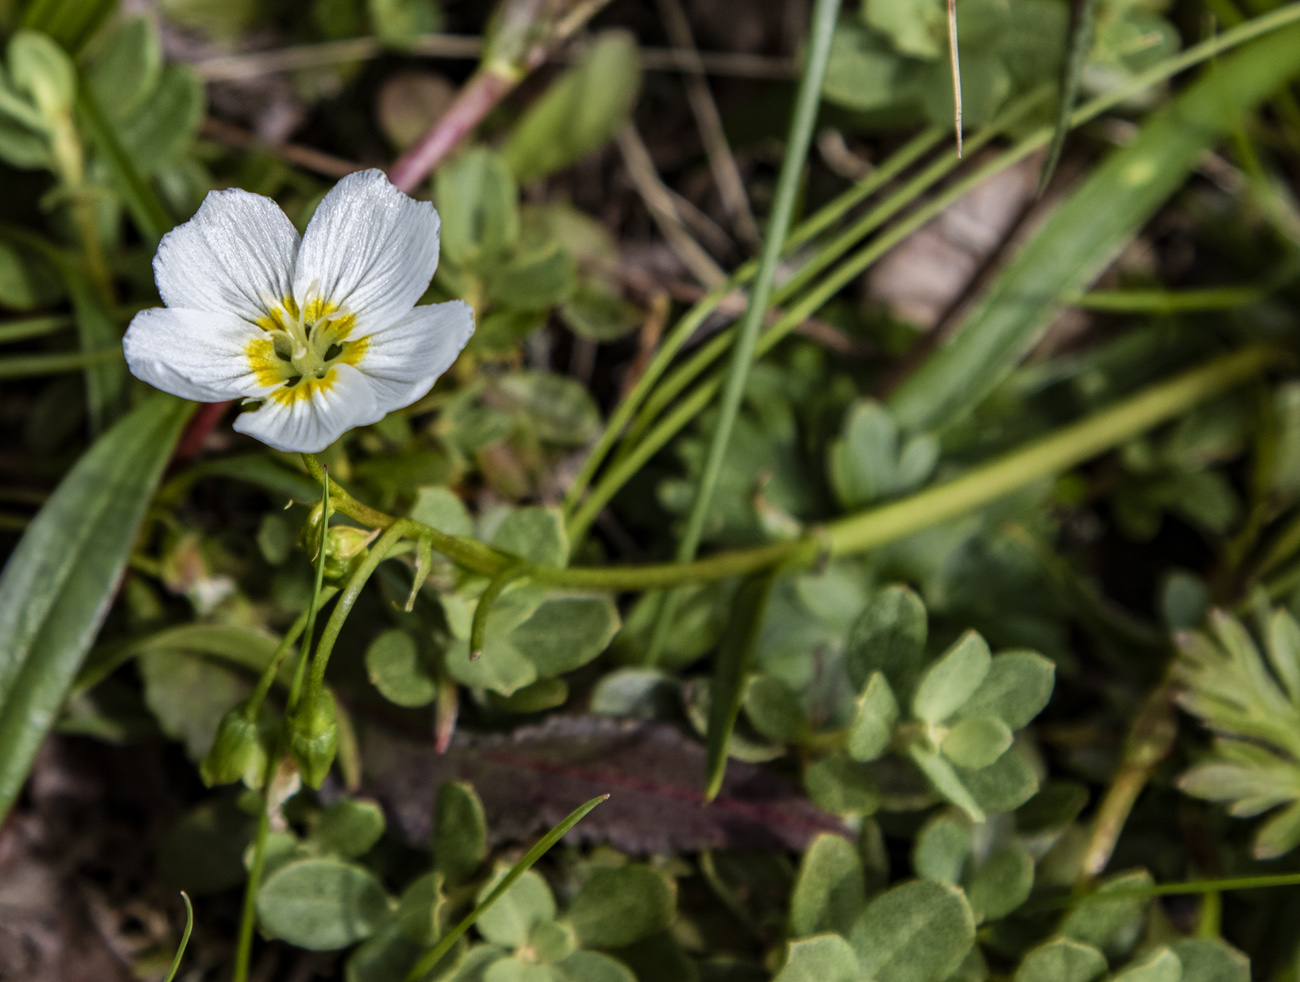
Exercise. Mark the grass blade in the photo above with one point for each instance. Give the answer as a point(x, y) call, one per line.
point(808, 99)
point(543, 846)
point(1083, 19)
point(733, 660)
point(1088, 231)
point(185, 938)
point(141, 201)
point(61, 578)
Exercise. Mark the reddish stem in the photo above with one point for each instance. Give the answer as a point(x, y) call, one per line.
point(475, 100)
point(201, 424)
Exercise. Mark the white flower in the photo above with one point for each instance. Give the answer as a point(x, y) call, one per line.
point(324, 333)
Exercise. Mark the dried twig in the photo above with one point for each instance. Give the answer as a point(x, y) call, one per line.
point(663, 209)
point(254, 64)
point(726, 174)
point(299, 156)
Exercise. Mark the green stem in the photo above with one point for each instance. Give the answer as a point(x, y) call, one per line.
point(1048, 456)
point(1167, 301)
point(478, 627)
point(1043, 458)
point(824, 15)
point(693, 319)
point(377, 554)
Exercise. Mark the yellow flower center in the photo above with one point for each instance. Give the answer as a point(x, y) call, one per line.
point(299, 349)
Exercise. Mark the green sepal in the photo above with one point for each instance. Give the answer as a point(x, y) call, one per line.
point(314, 738)
point(240, 749)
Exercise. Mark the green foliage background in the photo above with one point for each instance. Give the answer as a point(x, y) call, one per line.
point(993, 638)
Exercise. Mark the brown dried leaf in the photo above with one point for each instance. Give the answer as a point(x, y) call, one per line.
point(531, 778)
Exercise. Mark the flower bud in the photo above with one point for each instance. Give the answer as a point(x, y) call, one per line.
point(343, 544)
point(240, 748)
point(314, 738)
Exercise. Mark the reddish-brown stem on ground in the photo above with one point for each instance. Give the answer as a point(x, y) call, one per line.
point(485, 89)
point(201, 424)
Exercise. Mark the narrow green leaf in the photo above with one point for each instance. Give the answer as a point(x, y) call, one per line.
point(732, 665)
point(1088, 231)
point(60, 580)
point(1083, 16)
point(429, 961)
point(144, 205)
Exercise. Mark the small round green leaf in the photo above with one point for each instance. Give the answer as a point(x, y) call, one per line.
point(399, 671)
point(976, 742)
point(322, 904)
point(842, 786)
point(872, 729)
point(827, 958)
point(1015, 690)
point(829, 893)
point(511, 919)
point(953, 679)
point(619, 906)
point(916, 932)
point(459, 831)
point(1002, 884)
point(1061, 960)
point(349, 828)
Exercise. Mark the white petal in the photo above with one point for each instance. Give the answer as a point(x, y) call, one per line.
point(194, 354)
point(312, 423)
point(403, 361)
point(370, 249)
point(235, 255)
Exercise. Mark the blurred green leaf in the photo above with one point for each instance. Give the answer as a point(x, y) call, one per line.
point(534, 279)
point(349, 828)
point(1210, 960)
point(189, 695)
point(581, 110)
point(557, 408)
point(867, 463)
point(840, 785)
point(400, 22)
point(1001, 884)
point(1111, 925)
point(1162, 965)
point(126, 68)
point(731, 665)
point(942, 849)
point(398, 669)
point(1015, 690)
point(863, 72)
point(60, 580)
point(622, 905)
point(774, 710)
point(1061, 960)
point(459, 831)
point(889, 637)
point(1083, 236)
point(510, 921)
point(872, 729)
point(829, 892)
point(594, 313)
point(823, 959)
point(976, 741)
point(915, 932)
point(322, 904)
point(950, 681)
point(477, 202)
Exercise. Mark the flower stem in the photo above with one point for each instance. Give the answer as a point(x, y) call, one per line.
point(1040, 459)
